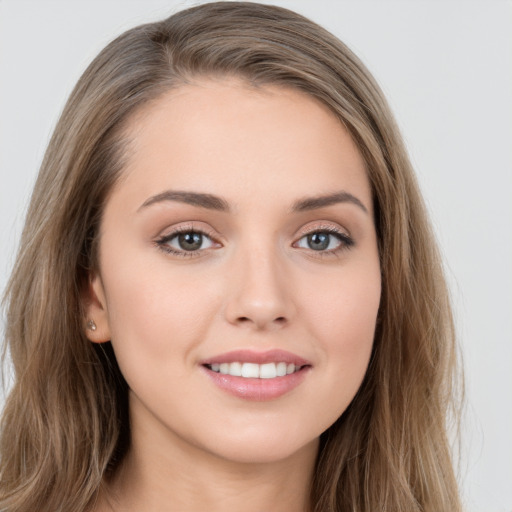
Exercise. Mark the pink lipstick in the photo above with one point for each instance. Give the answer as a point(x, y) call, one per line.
point(256, 375)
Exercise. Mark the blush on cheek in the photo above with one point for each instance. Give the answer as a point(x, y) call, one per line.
point(157, 316)
point(344, 323)
point(353, 312)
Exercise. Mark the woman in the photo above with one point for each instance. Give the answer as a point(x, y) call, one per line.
point(227, 294)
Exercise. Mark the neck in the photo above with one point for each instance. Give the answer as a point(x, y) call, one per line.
point(163, 473)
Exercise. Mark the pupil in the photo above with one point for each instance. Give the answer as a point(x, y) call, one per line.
point(190, 241)
point(318, 241)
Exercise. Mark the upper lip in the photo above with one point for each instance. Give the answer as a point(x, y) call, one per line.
point(258, 357)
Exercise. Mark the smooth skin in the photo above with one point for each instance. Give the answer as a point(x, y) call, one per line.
point(259, 278)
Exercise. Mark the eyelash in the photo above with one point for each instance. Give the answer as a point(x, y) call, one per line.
point(346, 242)
point(163, 241)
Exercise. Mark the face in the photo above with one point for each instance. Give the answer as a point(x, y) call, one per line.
point(239, 275)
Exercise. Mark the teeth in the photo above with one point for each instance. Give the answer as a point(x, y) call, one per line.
point(281, 369)
point(235, 369)
point(255, 371)
point(250, 370)
point(268, 371)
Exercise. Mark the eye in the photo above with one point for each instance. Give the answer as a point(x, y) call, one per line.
point(326, 240)
point(185, 242)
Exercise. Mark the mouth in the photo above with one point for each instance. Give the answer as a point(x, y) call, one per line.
point(257, 376)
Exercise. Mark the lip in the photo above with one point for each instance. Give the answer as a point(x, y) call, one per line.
point(257, 389)
point(252, 356)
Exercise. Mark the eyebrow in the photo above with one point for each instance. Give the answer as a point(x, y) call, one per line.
point(313, 203)
point(193, 198)
point(212, 202)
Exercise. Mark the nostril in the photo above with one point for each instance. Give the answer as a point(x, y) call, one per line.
point(280, 320)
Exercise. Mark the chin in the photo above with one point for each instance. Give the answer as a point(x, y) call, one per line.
point(263, 449)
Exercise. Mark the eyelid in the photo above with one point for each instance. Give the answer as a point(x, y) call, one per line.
point(323, 226)
point(187, 228)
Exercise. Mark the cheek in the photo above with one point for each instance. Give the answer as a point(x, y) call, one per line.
point(341, 314)
point(346, 304)
point(158, 314)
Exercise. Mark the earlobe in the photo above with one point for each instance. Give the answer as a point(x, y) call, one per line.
point(97, 328)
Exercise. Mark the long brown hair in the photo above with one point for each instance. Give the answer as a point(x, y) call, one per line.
point(65, 426)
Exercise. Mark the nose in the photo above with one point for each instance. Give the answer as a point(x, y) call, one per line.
point(259, 295)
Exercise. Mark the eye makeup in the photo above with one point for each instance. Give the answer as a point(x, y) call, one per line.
point(190, 238)
point(191, 242)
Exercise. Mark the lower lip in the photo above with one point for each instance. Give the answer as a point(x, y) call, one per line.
point(257, 389)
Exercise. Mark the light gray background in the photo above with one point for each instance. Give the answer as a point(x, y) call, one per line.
point(446, 67)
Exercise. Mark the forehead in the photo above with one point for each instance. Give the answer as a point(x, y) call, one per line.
point(229, 138)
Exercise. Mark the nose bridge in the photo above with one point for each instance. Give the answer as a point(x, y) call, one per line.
point(258, 292)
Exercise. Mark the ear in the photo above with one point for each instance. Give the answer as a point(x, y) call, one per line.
point(97, 327)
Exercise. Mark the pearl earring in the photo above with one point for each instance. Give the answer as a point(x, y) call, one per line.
point(91, 325)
